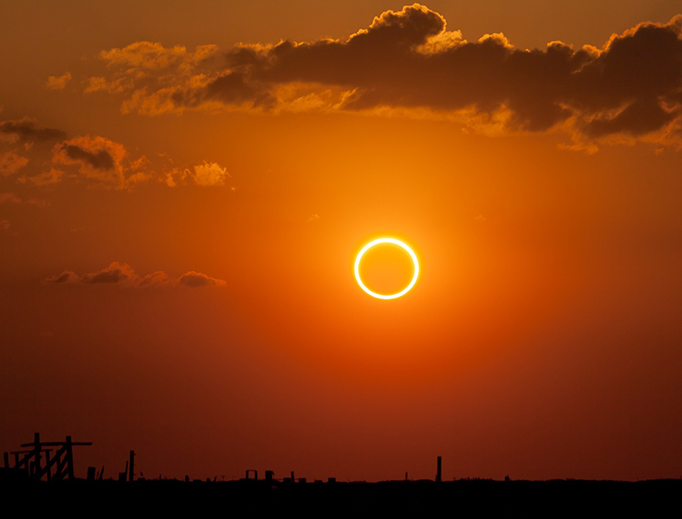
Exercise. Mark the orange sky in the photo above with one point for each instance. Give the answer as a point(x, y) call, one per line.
point(184, 187)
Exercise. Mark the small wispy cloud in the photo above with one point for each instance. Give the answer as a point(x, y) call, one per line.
point(58, 82)
point(11, 198)
point(10, 163)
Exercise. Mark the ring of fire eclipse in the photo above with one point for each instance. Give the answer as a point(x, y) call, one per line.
point(392, 241)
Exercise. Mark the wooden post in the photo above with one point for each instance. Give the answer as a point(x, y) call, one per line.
point(69, 458)
point(131, 466)
point(438, 472)
point(35, 466)
point(6, 460)
point(59, 472)
point(48, 468)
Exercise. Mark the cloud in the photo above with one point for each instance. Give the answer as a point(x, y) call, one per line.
point(58, 82)
point(144, 55)
point(155, 279)
point(11, 198)
point(93, 158)
point(4, 225)
point(407, 60)
point(100, 84)
point(159, 80)
point(10, 163)
point(46, 178)
point(633, 85)
point(97, 158)
point(154, 75)
point(66, 276)
point(115, 273)
point(26, 130)
point(123, 274)
point(209, 174)
point(168, 179)
point(197, 279)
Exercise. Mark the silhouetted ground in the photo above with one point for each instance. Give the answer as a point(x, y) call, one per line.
point(464, 498)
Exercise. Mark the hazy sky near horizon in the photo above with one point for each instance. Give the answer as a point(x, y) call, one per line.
point(184, 188)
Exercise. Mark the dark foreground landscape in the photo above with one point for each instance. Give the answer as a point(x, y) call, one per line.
point(467, 498)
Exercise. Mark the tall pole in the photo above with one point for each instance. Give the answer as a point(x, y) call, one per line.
point(48, 467)
point(68, 455)
point(36, 456)
point(438, 471)
point(131, 466)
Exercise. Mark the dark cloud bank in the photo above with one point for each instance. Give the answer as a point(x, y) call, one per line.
point(26, 130)
point(631, 86)
point(101, 159)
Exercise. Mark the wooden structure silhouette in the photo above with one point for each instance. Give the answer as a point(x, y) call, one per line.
point(57, 466)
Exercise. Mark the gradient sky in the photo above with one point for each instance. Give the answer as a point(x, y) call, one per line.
point(184, 187)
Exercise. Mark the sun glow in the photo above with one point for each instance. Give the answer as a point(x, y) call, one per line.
point(392, 241)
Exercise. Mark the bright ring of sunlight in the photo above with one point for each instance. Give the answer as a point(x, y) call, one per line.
point(394, 242)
